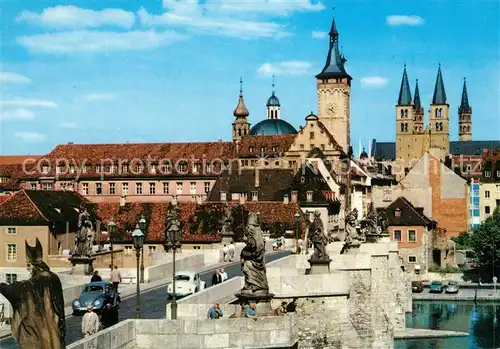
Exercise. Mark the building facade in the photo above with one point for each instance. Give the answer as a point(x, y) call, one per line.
point(490, 183)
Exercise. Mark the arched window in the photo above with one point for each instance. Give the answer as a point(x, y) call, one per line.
point(402, 127)
point(406, 127)
point(468, 128)
point(436, 113)
point(402, 113)
point(239, 132)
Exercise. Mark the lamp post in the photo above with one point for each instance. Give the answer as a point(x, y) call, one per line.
point(297, 220)
point(142, 226)
point(111, 233)
point(138, 238)
point(173, 237)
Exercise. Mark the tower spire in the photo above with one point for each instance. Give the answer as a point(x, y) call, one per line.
point(241, 110)
point(439, 91)
point(404, 91)
point(334, 66)
point(416, 99)
point(464, 106)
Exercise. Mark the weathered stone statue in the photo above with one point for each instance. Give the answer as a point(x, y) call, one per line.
point(38, 319)
point(318, 238)
point(351, 226)
point(84, 237)
point(383, 222)
point(173, 219)
point(369, 224)
point(227, 220)
point(252, 258)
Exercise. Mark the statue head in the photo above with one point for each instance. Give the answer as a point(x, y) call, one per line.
point(34, 258)
point(253, 219)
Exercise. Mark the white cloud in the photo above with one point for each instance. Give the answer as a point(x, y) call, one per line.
point(319, 34)
point(77, 18)
point(68, 124)
point(397, 20)
point(97, 41)
point(228, 26)
point(374, 81)
point(287, 68)
point(28, 103)
point(274, 7)
point(13, 78)
point(31, 137)
point(17, 114)
point(93, 97)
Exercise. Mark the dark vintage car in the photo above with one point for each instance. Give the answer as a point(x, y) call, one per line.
point(417, 286)
point(98, 294)
point(436, 287)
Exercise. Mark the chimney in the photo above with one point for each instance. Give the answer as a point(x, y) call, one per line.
point(257, 180)
point(295, 195)
point(122, 201)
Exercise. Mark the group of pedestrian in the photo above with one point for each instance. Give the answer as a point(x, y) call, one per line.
point(228, 252)
point(219, 277)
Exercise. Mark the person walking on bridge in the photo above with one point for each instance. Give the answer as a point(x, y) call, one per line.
point(90, 322)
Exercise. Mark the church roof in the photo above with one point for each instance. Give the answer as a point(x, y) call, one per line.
point(464, 105)
point(334, 66)
point(273, 101)
point(255, 146)
point(272, 127)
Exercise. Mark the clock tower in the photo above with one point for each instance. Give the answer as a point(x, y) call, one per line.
point(334, 93)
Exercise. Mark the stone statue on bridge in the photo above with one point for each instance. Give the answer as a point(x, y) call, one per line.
point(351, 226)
point(318, 238)
point(38, 319)
point(85, 235)
point(369, 224)
point(252, 258)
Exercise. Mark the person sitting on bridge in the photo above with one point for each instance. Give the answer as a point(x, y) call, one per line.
point(251, 311)
point(281, 310)
point(292, 306)
point(215, 312)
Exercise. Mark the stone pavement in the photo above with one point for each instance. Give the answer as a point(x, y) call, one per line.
point(464, 294)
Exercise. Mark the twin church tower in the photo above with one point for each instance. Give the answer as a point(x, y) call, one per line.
point(413, 137)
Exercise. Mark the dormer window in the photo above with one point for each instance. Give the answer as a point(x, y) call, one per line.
point(397, 213)
point(262, 149)
point(255, 196)
point(222, 196)
point(210, 168)
point(309, 196)
point(125, 168)
point(98, 168)
point(72, 169)
point(182, 167)
point(252, 149)
point(274, 149)
point(139, 168)
point(487, 173)
point(111, 168)
point(45, 169)
point(196, 168)
point(3, 179)
point(61, 169)
point(86, 168)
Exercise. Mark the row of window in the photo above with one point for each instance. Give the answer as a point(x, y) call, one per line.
point(112, 189)
point(126, 168)
point(411, 236)
point(487, 193)
point(487, 173)
point(255, 196)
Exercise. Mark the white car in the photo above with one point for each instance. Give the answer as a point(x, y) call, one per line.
point(186, 283)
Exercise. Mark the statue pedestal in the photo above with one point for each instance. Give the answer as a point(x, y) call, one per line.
point(227, 238)
point(261, 300)
point(372, 238)
point(319, 266)
point(352, 247)
point(82, 265)
point(384, 237)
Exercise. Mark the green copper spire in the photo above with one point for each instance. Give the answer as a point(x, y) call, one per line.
point(416, 100)
point(464, 106)
point(404, 91)
point(439, 92)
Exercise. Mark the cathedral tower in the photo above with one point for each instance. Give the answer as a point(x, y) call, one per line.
point(334, 93)
point(241, 126)
point(405, 123)
point(273, 106)
point(418, 111)
point(439, 117)
point(465, 117)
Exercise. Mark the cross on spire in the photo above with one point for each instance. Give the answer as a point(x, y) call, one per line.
point(273, 83)
point(241, 86)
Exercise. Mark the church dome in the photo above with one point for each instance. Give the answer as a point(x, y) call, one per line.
point(273, 101)
point(272, 127)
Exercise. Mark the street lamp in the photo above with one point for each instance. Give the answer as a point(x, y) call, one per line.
point(297, 220)
point(173, 237)
point(138, 238)
point(142, 226)
point(111, 234)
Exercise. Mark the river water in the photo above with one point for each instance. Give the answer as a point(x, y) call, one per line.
point(481, 321)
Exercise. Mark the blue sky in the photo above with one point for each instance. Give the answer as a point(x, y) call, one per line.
point(153, 71)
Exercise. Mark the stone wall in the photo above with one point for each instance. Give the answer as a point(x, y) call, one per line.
point(120, 336)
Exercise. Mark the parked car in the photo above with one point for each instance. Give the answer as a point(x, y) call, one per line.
point(417, 286)
point(186, 283)
point(452, 287)
point(436, 287)
point(98, 294)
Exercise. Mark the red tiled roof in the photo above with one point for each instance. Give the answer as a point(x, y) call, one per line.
point(20, 210)
point(133, 155)
point(17, 159)
point(265, 145)
point(13, 172)
point(4, 198)
point(126, 217)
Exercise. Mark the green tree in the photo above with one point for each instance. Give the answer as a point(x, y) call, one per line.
point(240, 219)
point(462, 241)
point(485, 241)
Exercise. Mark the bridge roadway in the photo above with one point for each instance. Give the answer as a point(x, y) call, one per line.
point(153, 301)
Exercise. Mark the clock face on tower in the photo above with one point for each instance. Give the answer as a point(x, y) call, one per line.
point(331, 109)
